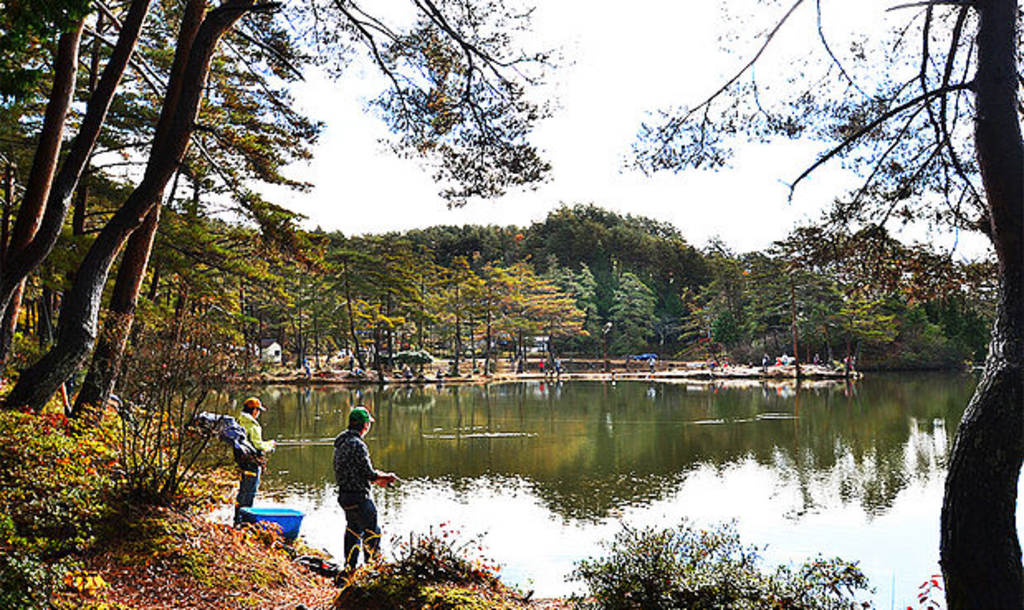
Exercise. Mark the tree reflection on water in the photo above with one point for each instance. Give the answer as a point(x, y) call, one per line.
point(588, 450)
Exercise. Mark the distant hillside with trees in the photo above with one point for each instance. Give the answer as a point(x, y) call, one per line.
point(582, 282)
point(585, 279)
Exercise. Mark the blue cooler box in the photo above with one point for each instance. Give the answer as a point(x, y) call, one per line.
point(288, 519)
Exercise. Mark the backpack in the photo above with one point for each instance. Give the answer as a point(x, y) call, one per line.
point(232, 433)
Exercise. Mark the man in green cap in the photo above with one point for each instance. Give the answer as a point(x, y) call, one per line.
point(354, 472)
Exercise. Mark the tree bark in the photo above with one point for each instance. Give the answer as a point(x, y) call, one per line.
point(44, 327)
point(106, 361)
point(9, 324)
point(5, 220)
point(76, 334)
point(37, 189)
point(980, 551)
point(44, 163)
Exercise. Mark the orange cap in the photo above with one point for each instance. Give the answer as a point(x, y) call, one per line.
point(254, 403)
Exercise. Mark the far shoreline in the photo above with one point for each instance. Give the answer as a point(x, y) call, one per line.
point(673, 372)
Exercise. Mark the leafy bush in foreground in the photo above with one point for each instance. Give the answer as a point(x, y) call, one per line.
point(430, 570)
point(55, 497)
point(688, 568)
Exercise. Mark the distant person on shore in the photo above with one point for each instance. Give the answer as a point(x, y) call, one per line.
point(354, 472)
point(765, 361)
point(251, 472)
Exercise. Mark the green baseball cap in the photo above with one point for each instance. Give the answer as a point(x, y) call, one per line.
point(359, 415)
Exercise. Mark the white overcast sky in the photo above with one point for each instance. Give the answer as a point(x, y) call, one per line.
point(620, 62)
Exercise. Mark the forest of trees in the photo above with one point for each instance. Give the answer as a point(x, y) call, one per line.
point(589, 281)
point(471, 294)
point(189, 237)
point(111, 112)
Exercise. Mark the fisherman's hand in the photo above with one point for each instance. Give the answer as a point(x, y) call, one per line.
point(385, 479)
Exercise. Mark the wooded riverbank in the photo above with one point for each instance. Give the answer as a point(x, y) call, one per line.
point(676, 371)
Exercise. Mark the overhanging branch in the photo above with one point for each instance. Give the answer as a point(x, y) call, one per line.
point(931, 3)
point(860, 133)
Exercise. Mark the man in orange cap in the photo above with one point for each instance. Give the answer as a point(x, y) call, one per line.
point(250, 481)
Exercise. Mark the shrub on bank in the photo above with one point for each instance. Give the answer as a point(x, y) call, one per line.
point(62, 495)
point(55, 498)
point(685, 567)
point(430, 570)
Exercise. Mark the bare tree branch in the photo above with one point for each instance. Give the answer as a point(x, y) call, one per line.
point(828, 49)
point(878, 164)
point(931, 3)
point(947, 72)
point(280, 57)
point(873, 125)
point(677, 123)
point(370, 40)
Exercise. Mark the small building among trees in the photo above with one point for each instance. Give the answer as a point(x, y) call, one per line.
point(270, 351)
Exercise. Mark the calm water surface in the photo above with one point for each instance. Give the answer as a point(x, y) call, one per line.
point(544, 472)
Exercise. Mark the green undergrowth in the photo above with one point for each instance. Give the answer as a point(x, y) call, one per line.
point(432, 571)
point(57, 498)
point(63, 498)
point(695, 569)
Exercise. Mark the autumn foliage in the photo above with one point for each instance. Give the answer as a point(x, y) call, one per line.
point(434, 570)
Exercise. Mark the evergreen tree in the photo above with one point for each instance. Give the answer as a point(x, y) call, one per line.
point(632, 315)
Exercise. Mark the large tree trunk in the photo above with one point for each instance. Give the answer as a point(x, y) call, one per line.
point(980, 550)
point(38, 227)
point(5, 219)
point(37, 189)
point(44, 163)
point(106, 361)
point(76, 334)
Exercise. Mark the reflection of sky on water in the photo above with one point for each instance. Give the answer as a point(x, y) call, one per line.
point(545, 472)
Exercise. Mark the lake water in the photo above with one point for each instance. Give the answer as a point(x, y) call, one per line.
point(544, 472)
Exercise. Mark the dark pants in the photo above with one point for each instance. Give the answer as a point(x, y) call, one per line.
point(247, 488)
point(360, 528)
